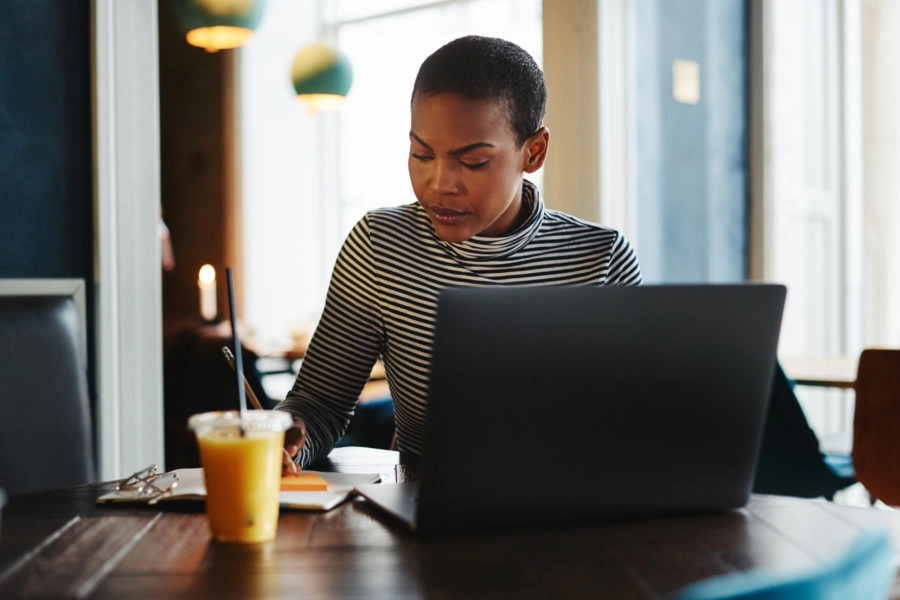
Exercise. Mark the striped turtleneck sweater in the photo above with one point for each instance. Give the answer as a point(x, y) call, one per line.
point(382, 302)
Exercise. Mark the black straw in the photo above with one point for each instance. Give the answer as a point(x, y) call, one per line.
point(238, 361)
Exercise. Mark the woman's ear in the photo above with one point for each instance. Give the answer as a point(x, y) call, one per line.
point(536, 150)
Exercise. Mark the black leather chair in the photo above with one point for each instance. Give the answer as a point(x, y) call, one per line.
point(46, 432)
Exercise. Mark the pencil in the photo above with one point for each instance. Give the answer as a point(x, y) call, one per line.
point(250, 394)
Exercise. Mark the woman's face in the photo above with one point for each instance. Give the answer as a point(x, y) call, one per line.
point(466, 168)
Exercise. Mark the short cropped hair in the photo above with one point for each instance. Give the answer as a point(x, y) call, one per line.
point(486, 68)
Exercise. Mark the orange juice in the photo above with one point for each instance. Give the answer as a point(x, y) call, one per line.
point(241, 461)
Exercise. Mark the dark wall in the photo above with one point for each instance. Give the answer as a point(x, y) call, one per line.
point(46, 206)
point(46, 166)
point(692, 158)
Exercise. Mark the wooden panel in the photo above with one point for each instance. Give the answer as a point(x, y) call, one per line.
point(354, 551)
point(193, 148)
point(28, 533)
point(178, 543)
point(72, 561)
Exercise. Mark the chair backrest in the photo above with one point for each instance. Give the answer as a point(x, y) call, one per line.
point(46, 433)
point(864, 572)
point(876, 424)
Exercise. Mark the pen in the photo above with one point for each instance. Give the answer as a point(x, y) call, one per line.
point(250, 394)
point(255, 401)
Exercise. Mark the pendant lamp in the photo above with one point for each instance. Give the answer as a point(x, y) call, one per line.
point(218, 24)
point(322, 76)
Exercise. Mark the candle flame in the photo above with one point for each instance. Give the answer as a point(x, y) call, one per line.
point(207, 274)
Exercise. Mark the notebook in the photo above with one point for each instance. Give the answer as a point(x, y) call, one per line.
point(572, 405)
point(187, 484)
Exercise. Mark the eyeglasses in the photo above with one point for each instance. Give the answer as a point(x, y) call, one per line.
point(149, 483)
point(139, 479)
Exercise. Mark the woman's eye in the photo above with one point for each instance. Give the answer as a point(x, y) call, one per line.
point(474, 166)
point(421, 157)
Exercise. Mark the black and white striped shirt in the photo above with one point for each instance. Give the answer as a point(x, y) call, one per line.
point(382, 301)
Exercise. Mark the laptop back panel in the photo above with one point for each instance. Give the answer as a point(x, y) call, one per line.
point(554, 406)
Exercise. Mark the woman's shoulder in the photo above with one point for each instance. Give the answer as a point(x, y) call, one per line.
point(556, 222)
point(393, 213)
point(398, 220)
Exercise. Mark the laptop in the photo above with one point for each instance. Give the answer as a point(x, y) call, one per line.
point(557, 406)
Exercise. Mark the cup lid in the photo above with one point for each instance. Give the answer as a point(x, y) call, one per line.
point(251, 420)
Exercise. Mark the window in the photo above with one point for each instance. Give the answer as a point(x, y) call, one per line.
point(306, 179)
point(811, 139)
point(374, 121)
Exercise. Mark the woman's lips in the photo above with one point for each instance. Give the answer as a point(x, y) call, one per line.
point(446, 216)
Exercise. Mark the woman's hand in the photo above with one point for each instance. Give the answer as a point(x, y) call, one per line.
point(294, 438)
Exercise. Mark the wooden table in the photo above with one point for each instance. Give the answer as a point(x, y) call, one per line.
point(62, 544)
point(821, 371)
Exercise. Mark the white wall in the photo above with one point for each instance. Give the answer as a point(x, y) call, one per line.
point(278, 142)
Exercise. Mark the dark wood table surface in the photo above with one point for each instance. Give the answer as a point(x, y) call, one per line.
point(62, 544)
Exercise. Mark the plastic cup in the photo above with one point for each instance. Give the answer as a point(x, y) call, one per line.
point(241, 458)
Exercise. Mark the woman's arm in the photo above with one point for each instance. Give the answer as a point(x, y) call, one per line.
point(342, 351)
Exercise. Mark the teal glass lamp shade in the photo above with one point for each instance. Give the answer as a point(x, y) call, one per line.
point(218, 24)
point(322, 76)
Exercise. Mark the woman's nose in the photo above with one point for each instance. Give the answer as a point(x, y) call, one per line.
point(444, 178)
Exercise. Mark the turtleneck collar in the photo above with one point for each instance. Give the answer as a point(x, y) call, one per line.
point(481, 247)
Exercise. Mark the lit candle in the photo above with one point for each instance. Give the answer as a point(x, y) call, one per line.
point(207, 284)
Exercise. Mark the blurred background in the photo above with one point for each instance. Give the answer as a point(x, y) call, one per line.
point(729, 140)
